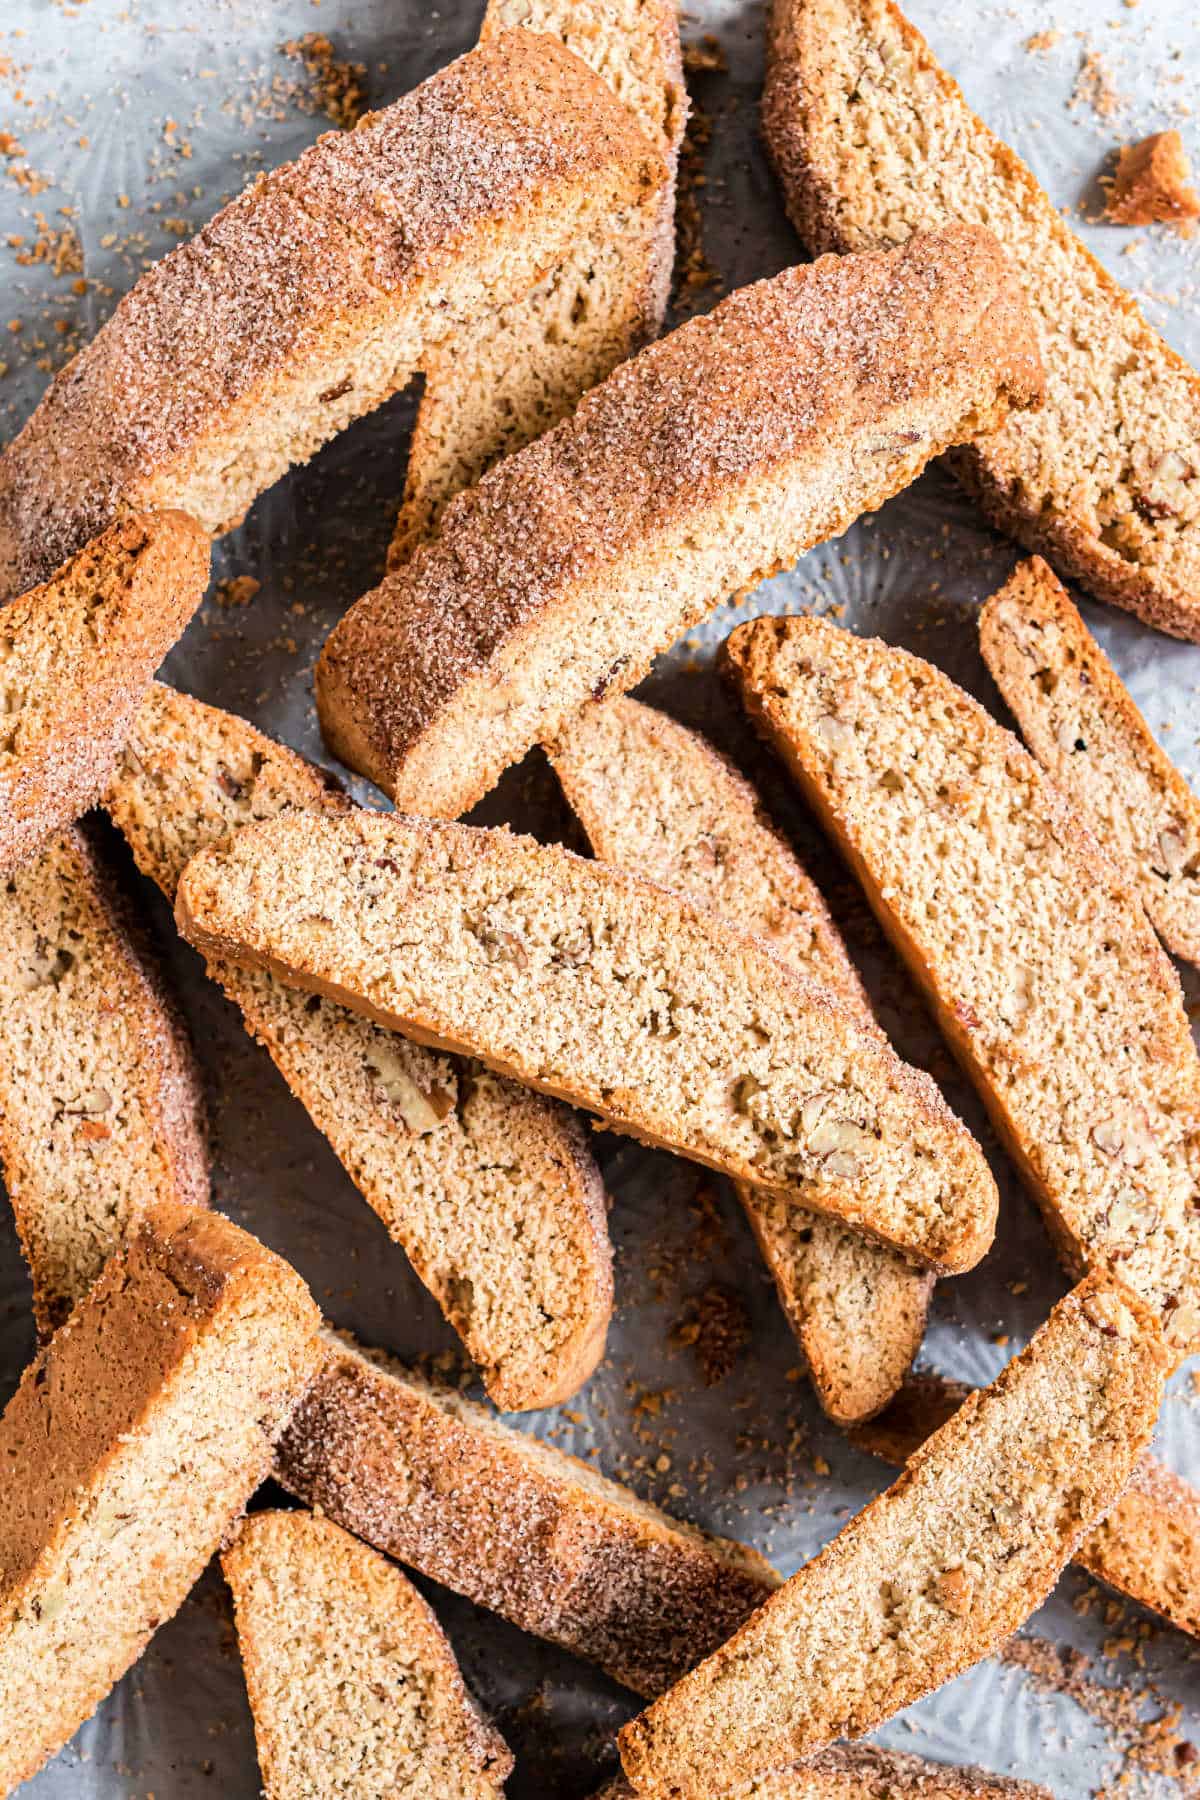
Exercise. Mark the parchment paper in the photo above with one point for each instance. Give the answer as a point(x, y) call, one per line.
point(91, 92)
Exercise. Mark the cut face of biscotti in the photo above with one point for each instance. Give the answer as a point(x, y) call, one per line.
point(933, 1575)
point(1038, 959)
point(130, 1447)
point(76, 656)
point(355, 1691)
point(873, 141)
point(710, 460)
point(1080, 722)
point(588, 983)
point(101, 1111)
point(491, 1190)
point(513, 373)
point(861, 1772)
point(1148, 1548)
point(515, 1525)
point(656, 798)
point(318, 292)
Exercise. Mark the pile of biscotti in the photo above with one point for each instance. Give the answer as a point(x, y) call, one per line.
point(444, 1000)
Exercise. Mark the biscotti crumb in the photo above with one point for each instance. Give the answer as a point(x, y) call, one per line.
point(1151, 185)
point(338, 86)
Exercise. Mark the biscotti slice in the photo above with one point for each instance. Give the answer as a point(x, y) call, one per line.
point(585, 982)
point(130, 1447)
point(656, 798)
point(872, 141)
point(861, 1772)
point(513, 1524)
point(355, 1691)
point(101, 1109)
point(1042, 968)
point(491, 1190)
point(937, 1572)
point(318, 293)
point(76, 656)
point(1148, 1548)
point(1080, 722)
point(513, 373)
point(707, 462)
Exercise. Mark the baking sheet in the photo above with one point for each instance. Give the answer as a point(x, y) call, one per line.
point(143, 117)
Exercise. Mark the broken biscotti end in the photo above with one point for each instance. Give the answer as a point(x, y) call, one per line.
point(132, 1444)
point(1152, 184)
point(709, 461)
point(971, 1539)
point(76, 657)
point(624, 998)
point(354, 1688)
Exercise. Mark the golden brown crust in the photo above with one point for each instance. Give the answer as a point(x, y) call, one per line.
point(703, 464)
point(587, 983)
point(1080, 721)
point(76, 657)
point(101, 1103)
point(861, 1772)
point(518, 370)
point(326, 1629)
point(317, 292)
point(1040, 965)
point(133, 1442)
point(515, 1525)
point(1148, 1548)
point(933, 1575)
point(658, 799)
point(491, 1190)
point(872, 140)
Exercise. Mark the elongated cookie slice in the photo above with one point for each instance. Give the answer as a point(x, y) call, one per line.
point(490, 1189)
point(1038, 959)
point(518, 1527)
point(129, 1449)
point(861, 1772)
point(707, 462)
point(933, 1575)
point(101, 1107)
point(76, 657)
point(513, 373)
point(318, 292)
point(873, 141)
point(583, 981)
point(355, 1691)
point(1148, 1548)
point(656, 798)
point(1079, 720)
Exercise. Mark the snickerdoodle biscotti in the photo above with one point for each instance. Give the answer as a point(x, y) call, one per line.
point(514, 1524)
point(76, 657)
point(861, 1772)
point(933, 1575)
point(622, 997)
point(704, 464)
point(491, 1189)
point(1148, 1547)
point(318, 292)
point(1079, 720)
point(353, 1686)
point(1043, 970)
point(130, 1447)
point(656, 798)
point(101, 1109)
point(873, 141)
point(514, 372)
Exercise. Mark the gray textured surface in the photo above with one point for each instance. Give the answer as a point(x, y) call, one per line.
point(744, 1455)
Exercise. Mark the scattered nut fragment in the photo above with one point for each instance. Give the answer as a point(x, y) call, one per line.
point(1151, 187)
point(1109, 1314)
